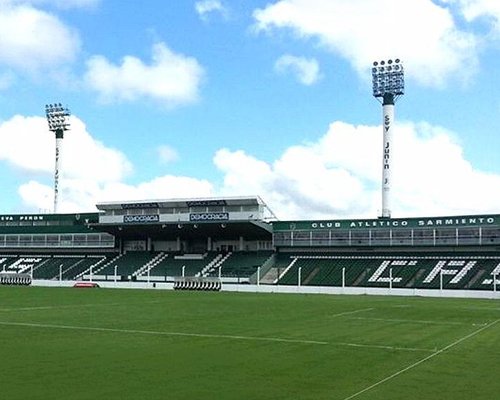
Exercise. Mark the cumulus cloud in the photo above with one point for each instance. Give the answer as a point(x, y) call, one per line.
point(170, 78)
point(363, 31)
point(336, 176)
point(339, 175)
point(78, 195)
point(29, 146)
point(306, 70)
point(163, 187)
point(86, 163)
point(91, 172)
point(27, 39)
point(206, 7)
point(37, 196)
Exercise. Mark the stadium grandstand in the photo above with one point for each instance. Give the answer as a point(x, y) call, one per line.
point(213, 243)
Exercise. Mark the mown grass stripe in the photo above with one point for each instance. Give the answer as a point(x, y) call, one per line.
point(416, 364)
point(164, 333)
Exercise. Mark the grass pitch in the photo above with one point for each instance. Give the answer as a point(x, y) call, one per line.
point(75, 344)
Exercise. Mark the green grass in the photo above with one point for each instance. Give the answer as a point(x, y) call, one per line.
point(135, 344)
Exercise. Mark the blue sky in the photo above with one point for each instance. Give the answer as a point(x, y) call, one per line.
point(246, 97)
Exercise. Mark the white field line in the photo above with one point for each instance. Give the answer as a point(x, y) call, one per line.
point(416, 321)
point(162, 333)
point(376, 346)
point(401, 371)
point(202, 335)
point(69, 306)
point(350, 312)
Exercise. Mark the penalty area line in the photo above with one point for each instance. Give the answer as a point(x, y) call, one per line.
point(401, 371)
point(162, 333)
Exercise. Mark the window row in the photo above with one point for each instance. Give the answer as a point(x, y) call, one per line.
point(444, 236)
point(73, 240)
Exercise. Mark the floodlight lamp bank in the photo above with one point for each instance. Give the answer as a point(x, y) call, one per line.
point(56, 116)
point(388, 79)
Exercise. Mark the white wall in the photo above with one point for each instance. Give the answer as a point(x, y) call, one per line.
point(227, 287)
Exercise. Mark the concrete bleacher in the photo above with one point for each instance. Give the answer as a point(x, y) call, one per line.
point(421, 270)
point(49, 267)
point(20, 264)
point(240, 264)
point(124, 265)
point(398, 271)
point(174, 265)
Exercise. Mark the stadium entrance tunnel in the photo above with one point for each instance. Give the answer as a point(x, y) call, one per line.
point(12, 278)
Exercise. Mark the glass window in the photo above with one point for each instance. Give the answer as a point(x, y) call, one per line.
point(12, 240)
point(25, 240)
point(66, 240)
point(320, 238)
point(250, 208)
point(340, 238)
point(360, 238)
point(38, 240)
point(282, 238)
point(423, 236)
point(490, 236)
point(301, 237)
point(402, 237)
point(52, 240)
point(381, 237)
point(468, 235)
point(446, 236)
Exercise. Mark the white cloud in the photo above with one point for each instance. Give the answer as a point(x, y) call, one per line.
point(27, 39)
point(28, 145)
point(78, 195)
point(37, 196)
point(91, 172)
point(420, 32)
point(163, 187)
point(306, 70)
point(339, 175)
point(206, 7)
point(170, 79)
point(474, 9)
point(167, 154)
point(86, 163)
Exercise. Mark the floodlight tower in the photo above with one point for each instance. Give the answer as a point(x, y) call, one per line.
point(56, 117)
point(388, 86)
